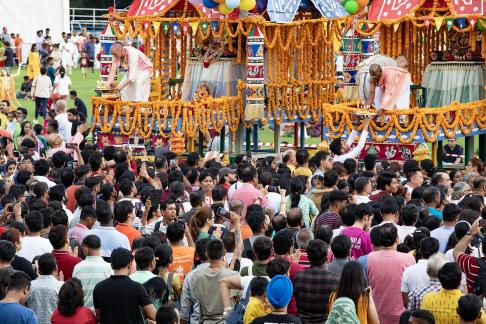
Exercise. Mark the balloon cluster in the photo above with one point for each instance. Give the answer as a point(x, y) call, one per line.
point(227, 6)
point(354, 6)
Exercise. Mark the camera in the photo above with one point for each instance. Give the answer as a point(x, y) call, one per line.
point(274, 189)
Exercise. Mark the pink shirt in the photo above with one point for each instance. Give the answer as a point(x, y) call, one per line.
point(78, 232)
point(360, 241)
point(248, 194)
point(393, 78)
point(385, 269)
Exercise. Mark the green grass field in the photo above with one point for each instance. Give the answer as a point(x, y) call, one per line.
point(84, 88)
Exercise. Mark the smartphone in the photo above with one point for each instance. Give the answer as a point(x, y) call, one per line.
point(71, 146)
point(223, 212)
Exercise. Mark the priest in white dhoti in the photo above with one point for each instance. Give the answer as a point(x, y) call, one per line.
point(135, 85)
point(389, 86)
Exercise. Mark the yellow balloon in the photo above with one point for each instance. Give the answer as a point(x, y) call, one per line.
point(247, 4)
point(223, 8)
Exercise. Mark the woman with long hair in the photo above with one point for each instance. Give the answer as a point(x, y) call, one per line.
point(200, 224)
point(33, 66)
point(26, 131)
point(70, 308)
point(298, 199)
point(62, 84)
point(353, 286)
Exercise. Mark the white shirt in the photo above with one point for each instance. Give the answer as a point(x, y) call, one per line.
point(404, 230)
point(415, 276)
point(233, 188)
point(274, 200)
point(62, 85)
point(33, 246)
point(69, 213)
point(362, 199)
point(42, 87)
point(45, 180)
point(355, 151)
point(244, 262)
point(65, 126)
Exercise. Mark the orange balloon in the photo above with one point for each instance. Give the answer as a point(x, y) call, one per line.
point(362, 4)
point(219, 1)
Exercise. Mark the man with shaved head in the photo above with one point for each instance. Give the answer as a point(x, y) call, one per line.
point(135, 85)
point(390, 85)
point(384, 82)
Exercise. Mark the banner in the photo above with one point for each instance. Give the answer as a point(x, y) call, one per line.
point(391, 9)
point(388, 151)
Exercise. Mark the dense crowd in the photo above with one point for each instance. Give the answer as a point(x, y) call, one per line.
point(90, 235)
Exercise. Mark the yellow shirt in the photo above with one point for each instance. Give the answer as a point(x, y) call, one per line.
point(443, 305)
point(362, 310)
point(255, 309)
point(301, 171)
point(291, 167)
point(3, 121)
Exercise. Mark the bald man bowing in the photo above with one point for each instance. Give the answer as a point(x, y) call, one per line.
point(135, 85)
point(390, 85)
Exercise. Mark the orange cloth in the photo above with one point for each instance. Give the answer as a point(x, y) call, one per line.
point(71, 201)
point(129, 231)
point(183, 256)
point(246, 231)
point(392, 79)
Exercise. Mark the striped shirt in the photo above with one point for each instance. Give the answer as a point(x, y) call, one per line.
point(90, 272)
point(329, 218)
point(415, 296)
point(469, 265)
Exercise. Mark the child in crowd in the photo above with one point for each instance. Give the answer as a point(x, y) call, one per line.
point(13, 125)
point(84, 62)
point(257, 306)
point(25, 88)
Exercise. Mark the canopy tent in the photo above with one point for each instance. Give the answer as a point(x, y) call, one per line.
point(25, 17)
point(396, 9)
point(163, 7)
point(283, 11)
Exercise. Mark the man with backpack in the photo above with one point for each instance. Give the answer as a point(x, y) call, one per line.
point(474, 268)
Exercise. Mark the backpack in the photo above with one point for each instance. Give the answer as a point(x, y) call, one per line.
point(480, 284)
point(236, 316)
point(167, 296)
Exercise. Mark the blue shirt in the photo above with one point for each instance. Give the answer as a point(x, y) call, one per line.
point(90, 50)
point(51, 73)
point(13, 313)
point(435, 212)
point(442, 234)
point(110, 239)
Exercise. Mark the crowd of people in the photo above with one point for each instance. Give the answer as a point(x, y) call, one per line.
point(70, 50)
point(90, 235)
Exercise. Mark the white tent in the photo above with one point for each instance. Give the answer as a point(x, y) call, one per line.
point(25, 17)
